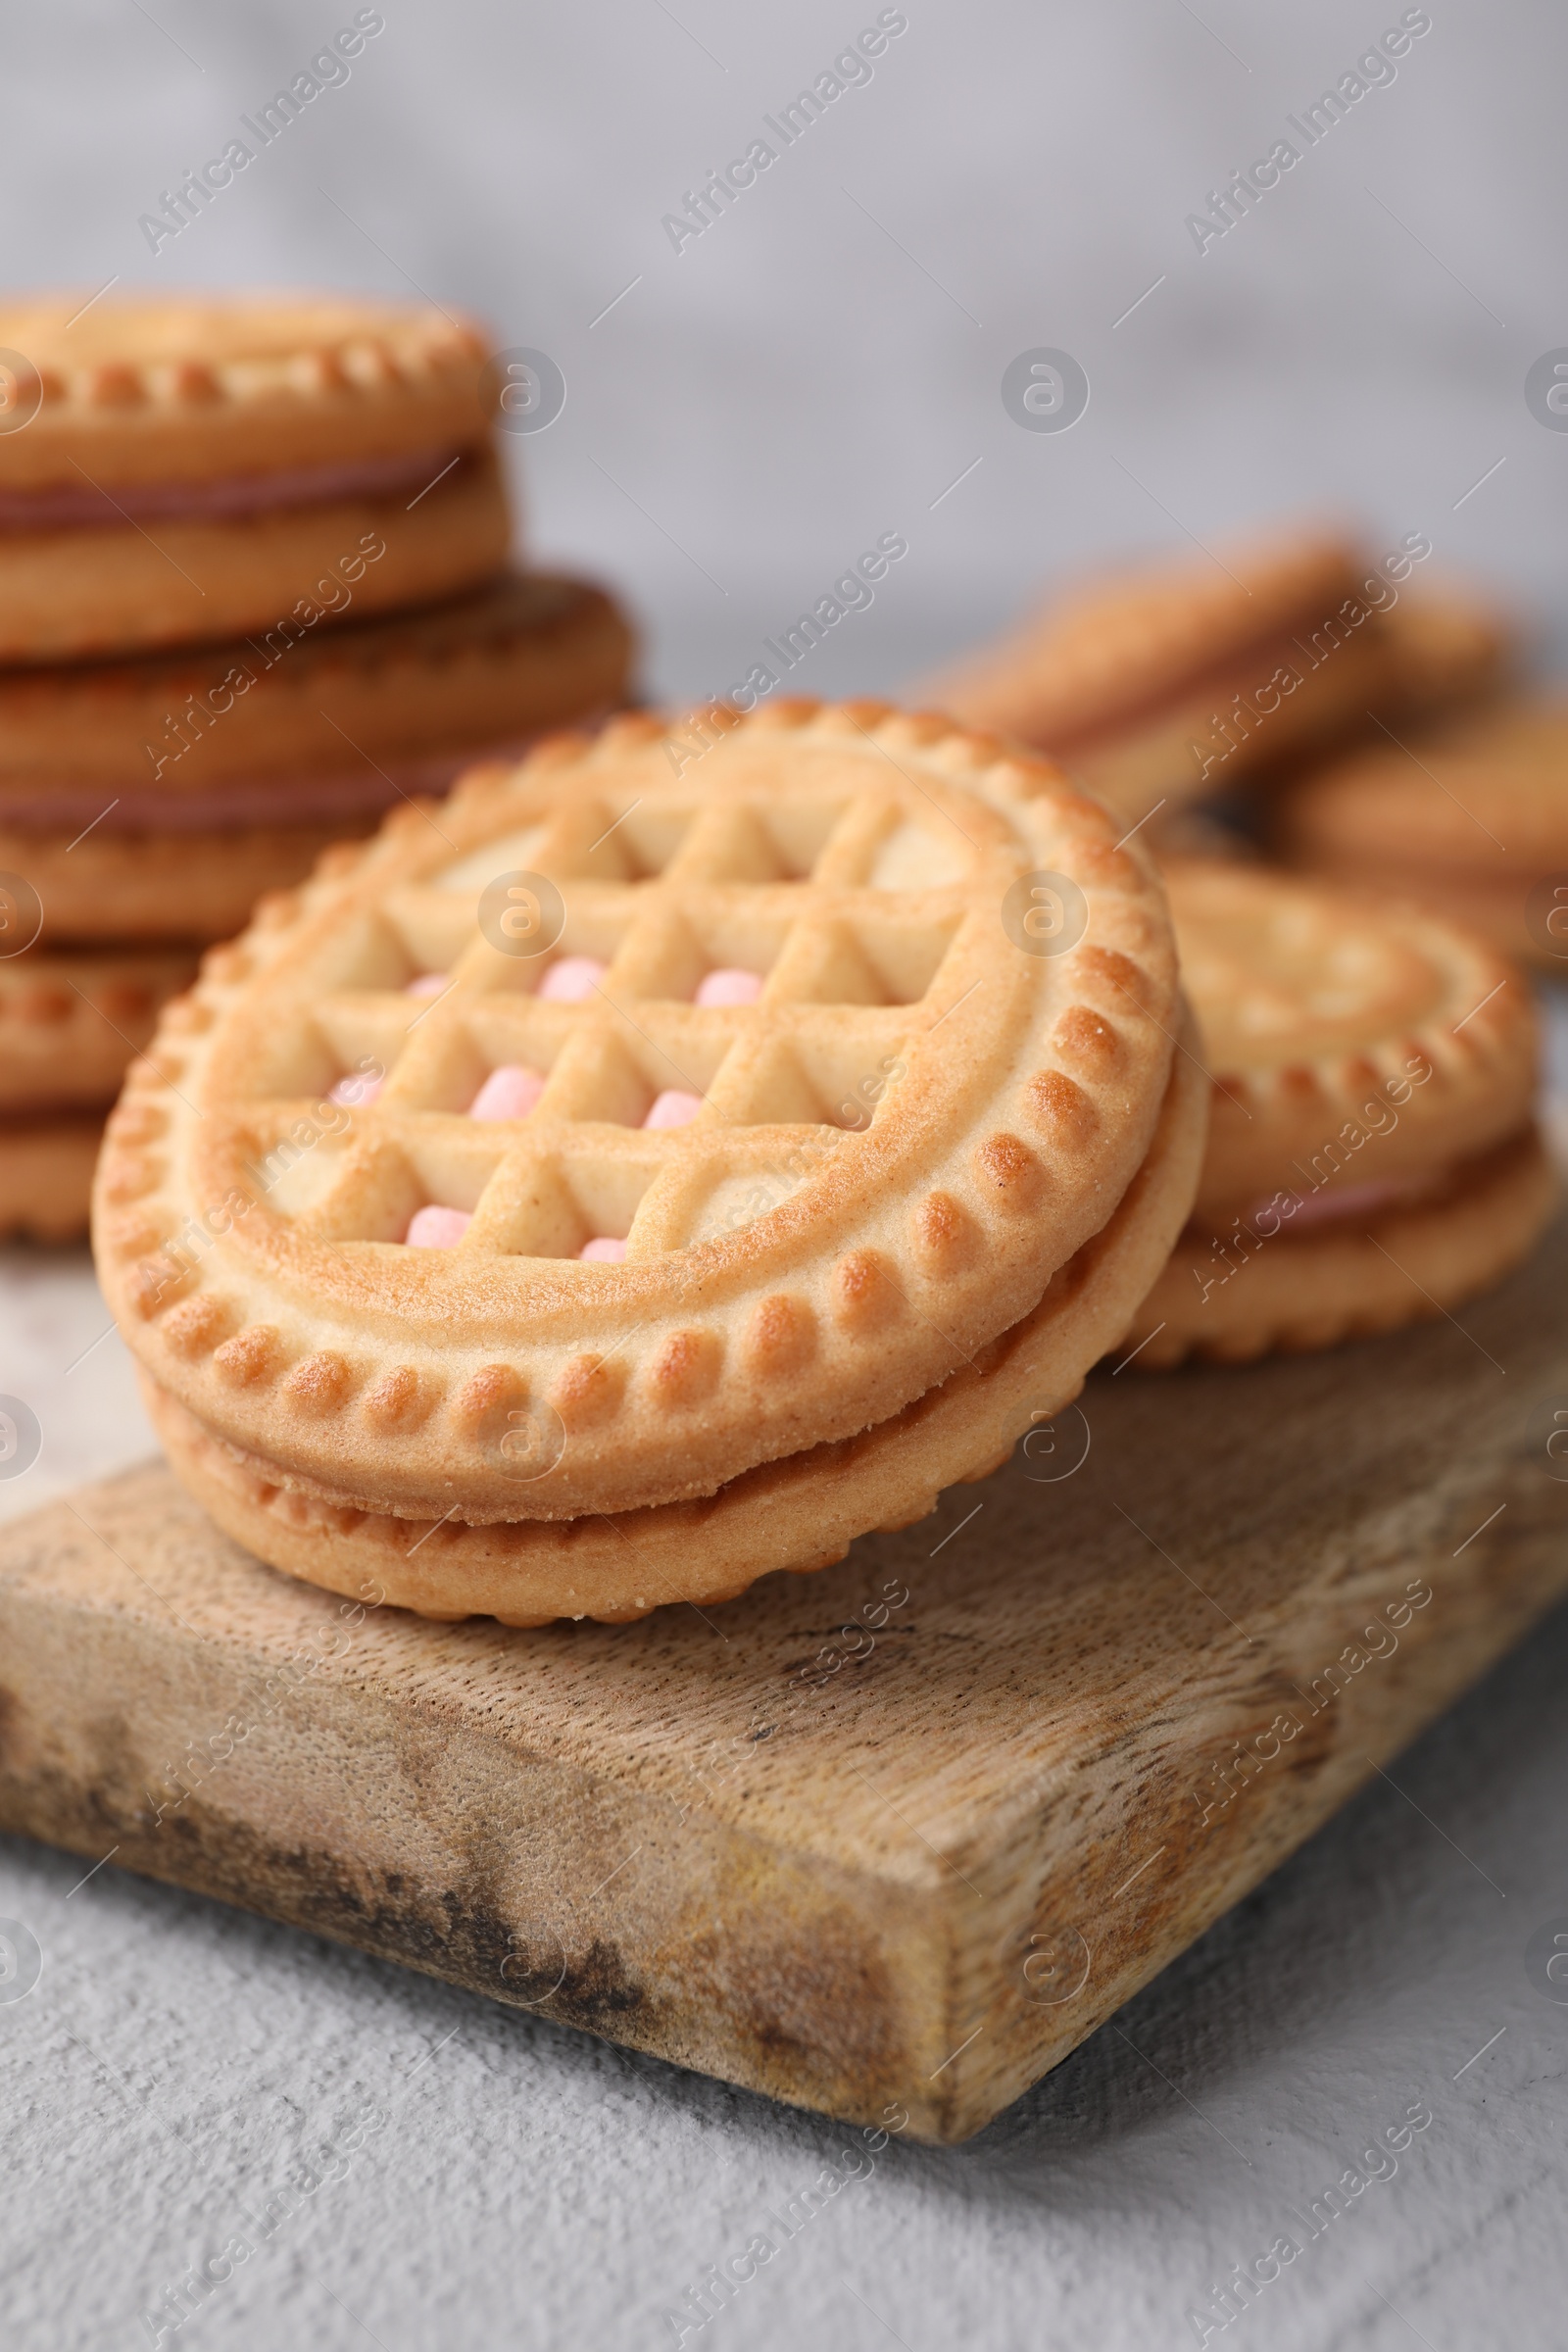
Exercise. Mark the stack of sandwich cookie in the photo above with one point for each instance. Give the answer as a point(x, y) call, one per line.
point(1470, 817)
point(661, 1181)
point(251, 595)
point(1372, 1156)
point(1161, 687)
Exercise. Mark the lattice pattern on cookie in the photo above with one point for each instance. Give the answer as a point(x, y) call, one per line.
point(820, 1122)
point(788, 893)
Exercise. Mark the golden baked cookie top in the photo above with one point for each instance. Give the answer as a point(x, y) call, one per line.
point(1323, 1008)
point(740, 1093)
point(136, 391)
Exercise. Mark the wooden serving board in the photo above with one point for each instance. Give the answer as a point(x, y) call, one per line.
point(889, 1838)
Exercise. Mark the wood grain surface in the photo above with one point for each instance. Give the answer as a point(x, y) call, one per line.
point(887, 1841)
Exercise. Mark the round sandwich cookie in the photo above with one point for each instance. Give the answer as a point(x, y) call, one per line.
point(798, 1513)
point(176, 468)
point(706, 1096)
point(308, 724)
point(1450, 646)
point(46, 1168)
point(1371, 1156)
point(1157, 686)
point(1470, 817)
point(150, 889)
point(70, 1024)
point(159, 799)
point(1161, 687)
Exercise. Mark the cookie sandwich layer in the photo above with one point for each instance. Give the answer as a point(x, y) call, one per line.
point(743, 1121)
point(183, 469)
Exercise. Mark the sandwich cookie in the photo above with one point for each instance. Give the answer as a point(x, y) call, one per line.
point(156, 888)
point(1470, 817)
point(799, 1513)
point(423, 1232)
point(69, 1027)
point(70, 1023)
point(1449, 646)
point(1372, 1156)
point(1162, 685)
point(177, 470)
point(46, 1170)
point(160, 797)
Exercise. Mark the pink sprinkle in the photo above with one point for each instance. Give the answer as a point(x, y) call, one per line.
point(426, 984)
point(603, 1252)
point(571, 979)
point(729, 986)
point(356, 1092)
point(509, 1092)
point(674, 1108)
point(432, 1228)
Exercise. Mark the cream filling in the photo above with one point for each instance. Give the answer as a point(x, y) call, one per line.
point(1336, 1205)
point(85, 506)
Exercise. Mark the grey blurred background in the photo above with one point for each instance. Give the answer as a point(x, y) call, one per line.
point(825, 361)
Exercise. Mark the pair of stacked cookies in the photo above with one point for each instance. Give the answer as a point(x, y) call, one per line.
point(253, 592)
point(1373, 1156)
point(657, 1179)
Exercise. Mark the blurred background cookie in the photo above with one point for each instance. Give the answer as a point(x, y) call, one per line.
point(46, 1168)
point(159, 799)
point(1372, 1155)
point(70, 1023)
point(201, 466)
point(345, 716)
point(1162, 687)
point(70, 1026)
point(141, 889)
point(1470, 816)
point(1117, 677)
point(1448, 643)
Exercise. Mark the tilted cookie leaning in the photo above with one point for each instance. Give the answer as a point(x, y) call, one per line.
point(1156, 685)
point(738, 1099)
point(1371, 1156)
